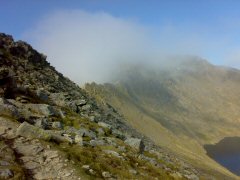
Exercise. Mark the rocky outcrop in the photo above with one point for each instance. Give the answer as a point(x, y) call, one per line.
point(53, 127)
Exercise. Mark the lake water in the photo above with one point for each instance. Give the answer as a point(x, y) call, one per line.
point(227, 153)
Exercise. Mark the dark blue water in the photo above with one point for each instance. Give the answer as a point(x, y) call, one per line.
point(227, 153)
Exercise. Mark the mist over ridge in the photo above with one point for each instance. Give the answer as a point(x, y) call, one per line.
point(91, 46)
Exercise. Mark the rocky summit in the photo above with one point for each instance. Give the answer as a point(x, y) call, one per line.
point(52, 129)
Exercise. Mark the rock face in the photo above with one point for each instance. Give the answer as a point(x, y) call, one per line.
point(32, 132)
point(135, 143)
point(51, 127)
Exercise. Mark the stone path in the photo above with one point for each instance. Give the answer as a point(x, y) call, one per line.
point(33, 159)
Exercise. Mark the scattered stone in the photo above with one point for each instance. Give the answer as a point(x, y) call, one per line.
point(80, 102)
point(100, 131)
point(118, 134)
point(86, 107)
point(87, 167)
point(135, 143)
point(98, 142)
point(132, 171)
point(29, 131)
point(6, 173)
point(106, 174)
point(78, 140)
point(57, 125)
point(104, 125)
point(41, 123)
point(86, 133)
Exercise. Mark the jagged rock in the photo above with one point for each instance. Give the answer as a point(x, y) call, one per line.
point(78, 140)
point(113, 153)
point(68, 137)
point(8, 110)
point(118, 134)
point(135, 143)
point(57, 125)
point(106, 174)
point(191, 177)
point(29, 131)
point(6, 173)
point(87, 167)
point(104, 125)
point(100, 131)
point(86, 107)
point(44, 110)
point(98, 142)
point(86, 133)
point(31, 149)
point(80, 102)
point(41, 123)
point(132, 171)
point(42, 95)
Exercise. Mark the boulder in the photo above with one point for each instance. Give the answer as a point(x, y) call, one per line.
point(32, 132)
point(118, 134)
point(29, 131)
point(106, 174)
point(86, 133)
point(86, 107)
point(98, 142)
point(135, 143)
point(104, 125)
point(80, 102)
point(44, 110)
point(42, 95)
point(8, 109)
point(57, 125)
point(78, 140)
point(41, 123)
point(6, 174)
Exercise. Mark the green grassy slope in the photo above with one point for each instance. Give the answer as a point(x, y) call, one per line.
point(181, 107)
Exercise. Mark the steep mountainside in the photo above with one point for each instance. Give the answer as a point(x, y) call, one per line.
point(180, 107)
point(52, 129)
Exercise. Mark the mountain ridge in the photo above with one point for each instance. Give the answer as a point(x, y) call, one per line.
point(52, 129)
point(192, 104)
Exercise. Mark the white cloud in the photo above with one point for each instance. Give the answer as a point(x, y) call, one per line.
point(84, 46)
point(90, 46)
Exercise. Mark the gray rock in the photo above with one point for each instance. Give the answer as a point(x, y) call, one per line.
point(118, 134)
point(6, 173)
point(78, 140)
point(41, 123)
point(104, 125)
point(31, 150)
point(44, 110)
point(86, 107)
point(29, 131)
point(87, 167)
point(80, 102)
point(135, 143)
point(106, 174)
point(57, 125)
point(8, 109)
point(113, 153)
point(69, 138)
point(86, 133)
point(4, 163)
point(99, 142)
point(100, 131)
point(42, 95)
point(191, 177)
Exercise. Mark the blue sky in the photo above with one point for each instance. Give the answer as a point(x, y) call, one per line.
point(206, 28)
